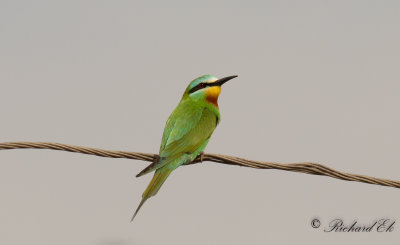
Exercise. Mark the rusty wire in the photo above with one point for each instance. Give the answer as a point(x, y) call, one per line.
point(303, 167)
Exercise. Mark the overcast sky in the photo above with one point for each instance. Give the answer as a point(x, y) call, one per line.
point(318, 81)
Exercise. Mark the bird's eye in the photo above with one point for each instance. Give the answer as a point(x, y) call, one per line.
point(198, 87)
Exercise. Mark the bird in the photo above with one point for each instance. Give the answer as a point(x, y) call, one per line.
point(187, 131)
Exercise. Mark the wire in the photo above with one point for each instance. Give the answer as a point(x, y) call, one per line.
point(302, 167)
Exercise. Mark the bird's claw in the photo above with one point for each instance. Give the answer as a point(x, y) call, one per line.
point(202, 156)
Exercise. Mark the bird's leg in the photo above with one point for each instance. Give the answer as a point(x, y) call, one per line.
point(198, 159)
point(202, 156)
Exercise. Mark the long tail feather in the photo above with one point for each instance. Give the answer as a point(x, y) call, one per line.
point(155, 184)
point(138, 208)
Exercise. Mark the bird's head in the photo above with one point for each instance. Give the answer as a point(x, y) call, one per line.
point(206, 88)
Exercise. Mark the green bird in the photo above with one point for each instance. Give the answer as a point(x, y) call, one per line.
point(187, 131)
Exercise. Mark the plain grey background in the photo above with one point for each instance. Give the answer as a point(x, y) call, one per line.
point(318, 81)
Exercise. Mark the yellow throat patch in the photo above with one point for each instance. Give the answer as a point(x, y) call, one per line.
point(212, 94)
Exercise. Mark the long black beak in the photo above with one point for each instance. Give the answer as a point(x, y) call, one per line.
point(221, 81)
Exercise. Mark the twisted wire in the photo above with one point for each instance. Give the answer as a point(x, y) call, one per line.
point(302, 167)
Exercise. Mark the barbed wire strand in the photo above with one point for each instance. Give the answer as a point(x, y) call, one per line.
point(302, 167)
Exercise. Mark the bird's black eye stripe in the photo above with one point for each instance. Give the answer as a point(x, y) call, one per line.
point(199, 86)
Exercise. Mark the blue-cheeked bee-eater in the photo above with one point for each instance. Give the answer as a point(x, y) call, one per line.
point(187, 131)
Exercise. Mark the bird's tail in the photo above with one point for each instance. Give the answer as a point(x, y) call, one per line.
point(155, 184)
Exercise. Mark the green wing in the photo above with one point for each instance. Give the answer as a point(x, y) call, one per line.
point(186, 143)
point(188, 127)
point(181, 121)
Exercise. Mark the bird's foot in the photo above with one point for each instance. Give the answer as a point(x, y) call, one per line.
point(202, 156)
